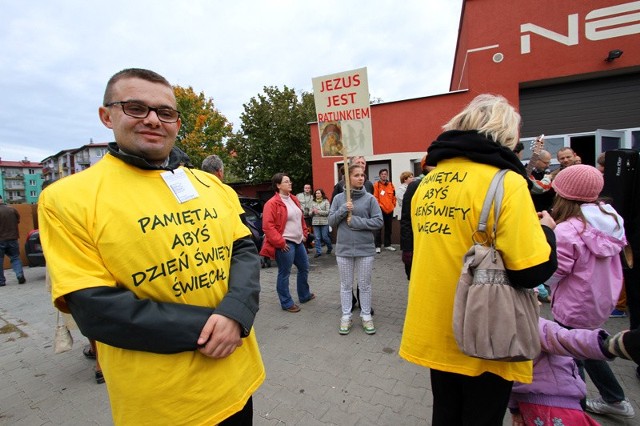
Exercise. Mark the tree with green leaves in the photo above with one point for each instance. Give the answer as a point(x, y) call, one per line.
point(274, 137)
point(204, 129)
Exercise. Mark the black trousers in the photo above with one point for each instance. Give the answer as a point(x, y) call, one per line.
point(460, 400)
point(243, 417)
point(388, 222)
point(632, 287)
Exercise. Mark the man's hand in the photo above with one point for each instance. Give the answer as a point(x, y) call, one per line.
point(219, 337)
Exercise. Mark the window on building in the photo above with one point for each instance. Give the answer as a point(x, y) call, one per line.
point(32, 171)
point(32, 182)
point(32, 193)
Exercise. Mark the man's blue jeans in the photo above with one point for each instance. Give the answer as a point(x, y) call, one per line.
point(297, 255)
point(11, 249)
point(322, 237)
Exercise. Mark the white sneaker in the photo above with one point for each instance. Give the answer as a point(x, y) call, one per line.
point(389, 248)
point(345, 326)
point(622, 408)
point(368, 327)
point(377, 249)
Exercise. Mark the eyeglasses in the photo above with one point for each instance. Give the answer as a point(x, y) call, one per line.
point(138, 110)
point(286, 181)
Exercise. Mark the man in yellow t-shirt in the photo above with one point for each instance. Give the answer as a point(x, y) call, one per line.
point(153, 261)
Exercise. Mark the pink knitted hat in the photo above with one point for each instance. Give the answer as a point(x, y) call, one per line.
point(579, 183)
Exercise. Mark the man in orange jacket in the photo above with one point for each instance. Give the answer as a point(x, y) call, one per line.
point(385, 193)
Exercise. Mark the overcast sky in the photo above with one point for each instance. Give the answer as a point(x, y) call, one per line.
point(57, 56)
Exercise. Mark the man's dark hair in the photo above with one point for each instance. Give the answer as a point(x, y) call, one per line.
point(382, 170)
point(140, 73)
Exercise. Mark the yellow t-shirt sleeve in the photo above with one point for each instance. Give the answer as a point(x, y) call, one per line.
point(527, 246)
point(73, 260)
point(242, 230)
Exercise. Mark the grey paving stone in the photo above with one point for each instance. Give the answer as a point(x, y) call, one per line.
point(314, 375)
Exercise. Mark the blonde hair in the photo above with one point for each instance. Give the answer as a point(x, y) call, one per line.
point(490, 115)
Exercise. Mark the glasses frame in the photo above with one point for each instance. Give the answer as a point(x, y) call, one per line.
point(149, 109)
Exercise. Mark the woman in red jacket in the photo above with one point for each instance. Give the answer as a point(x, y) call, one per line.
point(285, 233)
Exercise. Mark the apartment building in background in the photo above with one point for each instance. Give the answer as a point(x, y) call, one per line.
point(20, 181)
point(70, 161)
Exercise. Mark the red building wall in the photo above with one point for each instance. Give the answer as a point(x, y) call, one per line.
point(494, 22)
point(582, 34)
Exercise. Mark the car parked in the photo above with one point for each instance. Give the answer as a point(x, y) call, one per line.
point(254, 203)
point(253, 216)
point(33, 249)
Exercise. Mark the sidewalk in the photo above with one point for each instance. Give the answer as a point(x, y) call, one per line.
point(314, 375)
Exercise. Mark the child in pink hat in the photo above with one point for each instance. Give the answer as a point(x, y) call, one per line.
point(585, 287)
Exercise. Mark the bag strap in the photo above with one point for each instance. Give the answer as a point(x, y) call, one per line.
point(494, 196)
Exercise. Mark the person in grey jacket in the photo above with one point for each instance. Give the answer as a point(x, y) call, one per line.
point(356, 222)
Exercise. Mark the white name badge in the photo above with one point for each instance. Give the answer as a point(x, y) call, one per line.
point(382, 192)
point(180, 185)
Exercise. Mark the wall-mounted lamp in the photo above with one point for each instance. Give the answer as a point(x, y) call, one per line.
point(613, 54)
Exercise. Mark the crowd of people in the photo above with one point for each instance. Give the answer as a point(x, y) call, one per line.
point(554, 230)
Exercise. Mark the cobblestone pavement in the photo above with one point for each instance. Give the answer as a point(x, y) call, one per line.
point(314, 375)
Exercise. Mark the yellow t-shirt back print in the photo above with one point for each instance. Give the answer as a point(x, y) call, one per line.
point(445, 212)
